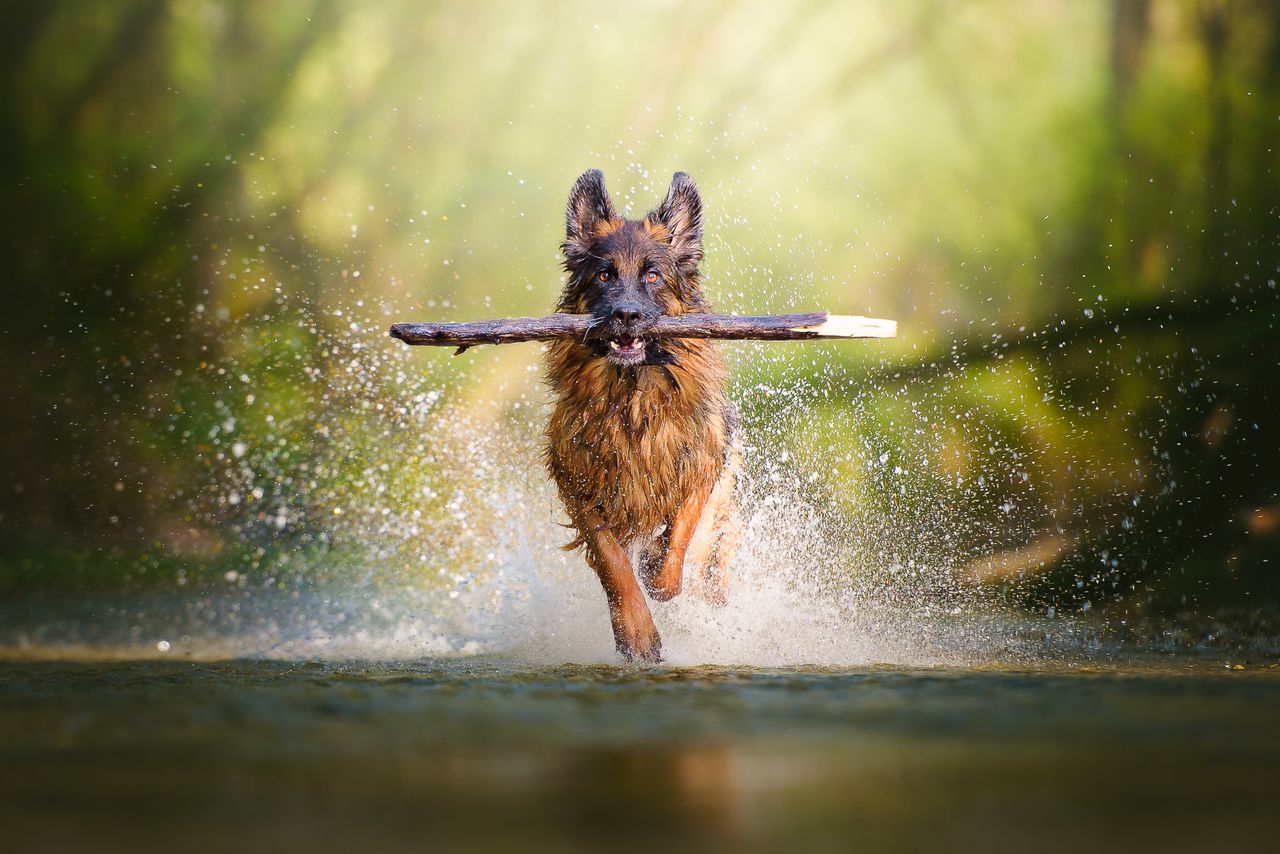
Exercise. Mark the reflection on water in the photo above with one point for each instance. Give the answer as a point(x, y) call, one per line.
point(482, 753)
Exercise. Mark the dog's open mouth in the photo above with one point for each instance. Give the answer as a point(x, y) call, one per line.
point(627, 350)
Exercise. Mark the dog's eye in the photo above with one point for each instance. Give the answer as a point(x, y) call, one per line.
point(603, 276)
point(651, 277)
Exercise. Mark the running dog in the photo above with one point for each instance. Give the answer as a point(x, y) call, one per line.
point(642, 442)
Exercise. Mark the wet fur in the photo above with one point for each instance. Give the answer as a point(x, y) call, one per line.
point(640, 454)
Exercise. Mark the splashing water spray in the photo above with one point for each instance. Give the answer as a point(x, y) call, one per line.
point(390, 505)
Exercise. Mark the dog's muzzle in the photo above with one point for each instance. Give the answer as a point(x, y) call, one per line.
point(626, 350)
point(623, 333)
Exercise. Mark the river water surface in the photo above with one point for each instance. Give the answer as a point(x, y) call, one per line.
point(483, 752)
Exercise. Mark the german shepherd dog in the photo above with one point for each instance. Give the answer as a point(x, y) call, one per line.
point(642, 442)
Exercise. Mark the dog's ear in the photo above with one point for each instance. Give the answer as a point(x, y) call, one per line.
point(589, 205)
point(681, 214)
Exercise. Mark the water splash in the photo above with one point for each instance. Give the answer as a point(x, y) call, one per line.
point(404, 515)
point(367, 499)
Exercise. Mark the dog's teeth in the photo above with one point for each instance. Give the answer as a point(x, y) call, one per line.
point(630, 347)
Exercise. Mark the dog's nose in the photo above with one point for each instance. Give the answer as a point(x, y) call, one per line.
point(627, 316)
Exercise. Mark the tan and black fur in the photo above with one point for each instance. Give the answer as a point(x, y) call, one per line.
point(641, 441)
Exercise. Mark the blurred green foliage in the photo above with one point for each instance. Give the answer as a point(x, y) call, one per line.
point(1073, 209)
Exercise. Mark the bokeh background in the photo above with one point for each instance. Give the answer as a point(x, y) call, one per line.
point(213, 210)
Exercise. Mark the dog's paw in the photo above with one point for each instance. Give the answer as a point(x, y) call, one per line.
point(664, 585)
point(635, 635)
point(641, 649)
point(662, 575)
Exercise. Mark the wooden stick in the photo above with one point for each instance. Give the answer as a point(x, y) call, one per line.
point(770, 327)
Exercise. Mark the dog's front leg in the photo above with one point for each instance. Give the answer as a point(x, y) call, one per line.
point(663, 567)
point(633, 631)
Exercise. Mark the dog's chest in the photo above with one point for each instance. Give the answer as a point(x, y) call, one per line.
point(639, 434)
point(648, 425)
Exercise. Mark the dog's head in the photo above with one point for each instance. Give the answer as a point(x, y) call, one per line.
point(628, 273)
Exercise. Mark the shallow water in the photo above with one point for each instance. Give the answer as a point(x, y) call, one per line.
point(483, 752)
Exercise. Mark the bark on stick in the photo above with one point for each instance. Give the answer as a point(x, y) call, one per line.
point(813, 325)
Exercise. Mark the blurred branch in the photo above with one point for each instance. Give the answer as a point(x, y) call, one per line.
point(1196, 314)
point(1011, 564)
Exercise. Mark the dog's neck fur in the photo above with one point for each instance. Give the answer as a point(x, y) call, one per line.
point(633, 441)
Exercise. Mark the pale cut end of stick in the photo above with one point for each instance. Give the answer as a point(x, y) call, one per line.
point(852, 326)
